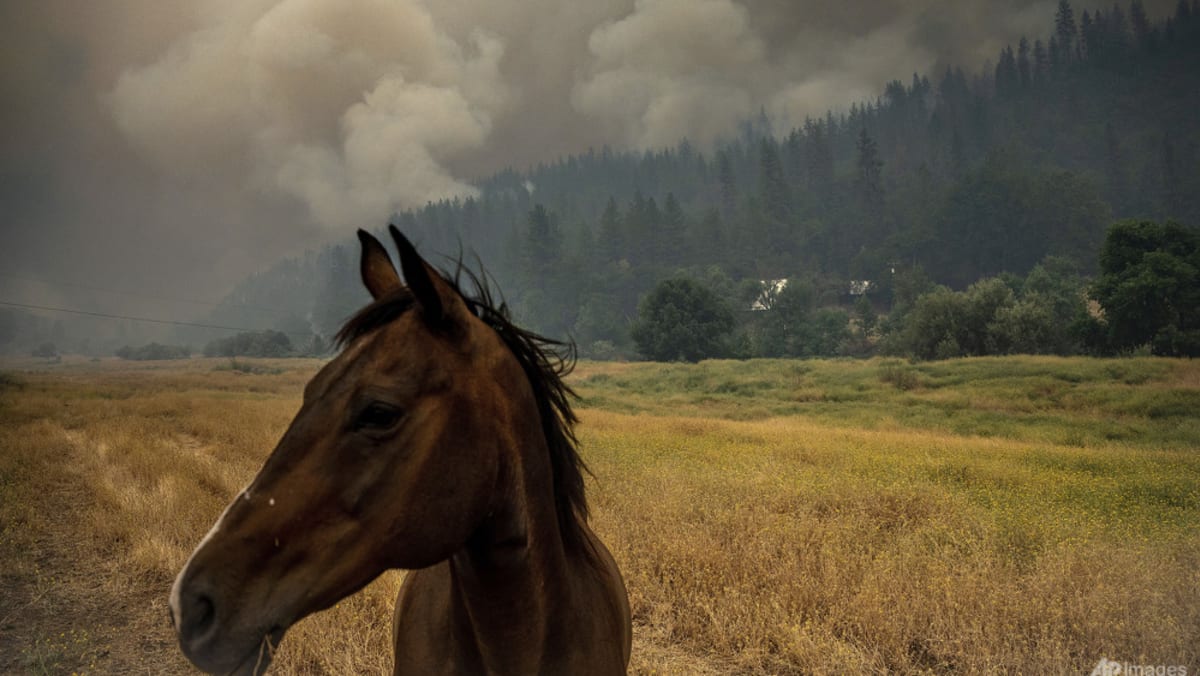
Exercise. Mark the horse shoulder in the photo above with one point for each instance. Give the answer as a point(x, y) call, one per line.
point(602, 618)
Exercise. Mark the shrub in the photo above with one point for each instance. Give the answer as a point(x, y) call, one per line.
point(902, 376)
point(251, 344)
point(45, 351)
point(154, 351)
point(248, 368)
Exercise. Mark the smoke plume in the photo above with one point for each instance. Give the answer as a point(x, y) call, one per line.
point(184, 149)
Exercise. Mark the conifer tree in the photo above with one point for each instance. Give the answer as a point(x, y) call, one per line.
point(728, 181)
point(1141, 24)
point(771, 183)
point(672, 243)
point(1041, 62)
point(1065, 30)
point(1024, 66)
point(611, 239)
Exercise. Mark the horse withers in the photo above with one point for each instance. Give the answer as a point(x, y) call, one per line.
point(440, 440)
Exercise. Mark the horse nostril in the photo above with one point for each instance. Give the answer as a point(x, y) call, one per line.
point(206, 612)
point(199, 617)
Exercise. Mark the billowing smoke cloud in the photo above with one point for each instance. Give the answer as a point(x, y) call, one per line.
point(183, 148)
point(359, 108)
point(672, 67)
point(352, 108)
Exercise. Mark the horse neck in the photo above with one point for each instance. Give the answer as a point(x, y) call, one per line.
point(512, 580)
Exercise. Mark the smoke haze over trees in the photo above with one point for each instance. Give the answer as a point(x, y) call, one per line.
point(1023, 134)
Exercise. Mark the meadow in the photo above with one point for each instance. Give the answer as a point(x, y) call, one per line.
point(1022, 514)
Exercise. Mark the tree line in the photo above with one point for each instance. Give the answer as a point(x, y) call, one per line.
point(1146, 296)
point(956, 180)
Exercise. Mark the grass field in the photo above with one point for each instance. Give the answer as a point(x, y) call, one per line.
point(1028, 515)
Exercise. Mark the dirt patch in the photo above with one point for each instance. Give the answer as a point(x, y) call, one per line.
point(58, 610)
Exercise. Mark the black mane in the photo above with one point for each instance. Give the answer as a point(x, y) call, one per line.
point(545, 362)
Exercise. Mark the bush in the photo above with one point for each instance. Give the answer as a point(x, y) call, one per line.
point(1026, 327)
point(45, 351)
point(248, 368)
point(1045, 315)
point(251, 344)
point(154, 351)
point(902, 376)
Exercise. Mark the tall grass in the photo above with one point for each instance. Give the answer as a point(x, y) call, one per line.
point(1023, 514)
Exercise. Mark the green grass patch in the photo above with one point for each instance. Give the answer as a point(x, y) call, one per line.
point(1080, 402)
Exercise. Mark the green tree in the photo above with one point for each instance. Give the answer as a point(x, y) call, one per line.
point(1057, 291)
point(340, 291)
point(610, 241)
point(671, 243)
point(772, 186)
point(935, 327)
point(682, 320)
point(728, 181)
point(1065, 30)
point(1149, 287)
point(543, 245)
point(868, 319)
point(869, 177)
point(1139, 21)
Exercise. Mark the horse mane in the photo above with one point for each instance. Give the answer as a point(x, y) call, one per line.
point(545, 362)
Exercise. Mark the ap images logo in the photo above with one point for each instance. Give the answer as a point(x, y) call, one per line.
point(1111, 668)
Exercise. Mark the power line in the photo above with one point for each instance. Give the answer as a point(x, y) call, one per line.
point(142, 295)
point(142, 319)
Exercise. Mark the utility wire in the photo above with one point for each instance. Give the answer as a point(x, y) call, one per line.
point(143, 295)
point(142, 319)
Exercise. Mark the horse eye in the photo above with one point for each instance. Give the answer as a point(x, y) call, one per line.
point(377, 416)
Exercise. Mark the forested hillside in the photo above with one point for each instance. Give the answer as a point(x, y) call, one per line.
point(951, 176)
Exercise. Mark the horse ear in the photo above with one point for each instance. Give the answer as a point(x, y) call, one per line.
point(431, 291)
point(378, 273)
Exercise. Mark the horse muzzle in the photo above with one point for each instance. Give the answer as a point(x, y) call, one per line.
point(216, 641)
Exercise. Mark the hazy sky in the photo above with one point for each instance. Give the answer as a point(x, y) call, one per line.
point(172, 148)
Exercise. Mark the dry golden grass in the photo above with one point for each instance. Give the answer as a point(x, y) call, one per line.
point(774, 544)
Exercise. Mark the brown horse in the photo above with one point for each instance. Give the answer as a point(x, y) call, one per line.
point(440, 441)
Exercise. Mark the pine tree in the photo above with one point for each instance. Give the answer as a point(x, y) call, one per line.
point(1116, 173)
point(1024, 66)
point(1117, 41)
point(771, 183)
point(1141, 25)
point(958, 155)
point(1183, 12)
point(542, 247)
point(710, 240)
point(1172, 186)
point(1065, 30)
point(1041, 62)
point(820, 160)
point(729, 193)
point(1007, 75)
point(869, 184)
point(794, 160)
point(1088, 43)
point(672, 242)
point(611, 241)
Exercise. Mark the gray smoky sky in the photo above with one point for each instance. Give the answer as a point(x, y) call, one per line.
point(169, 149)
